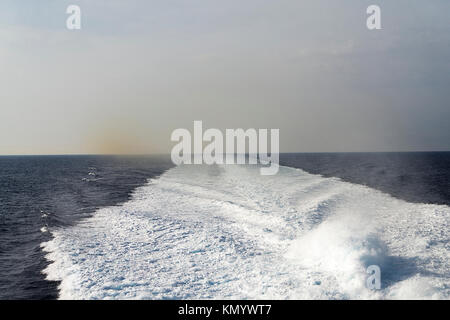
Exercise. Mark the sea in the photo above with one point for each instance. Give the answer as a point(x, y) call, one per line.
point(138, 227)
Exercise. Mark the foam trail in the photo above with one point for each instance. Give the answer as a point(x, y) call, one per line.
point(228, 232)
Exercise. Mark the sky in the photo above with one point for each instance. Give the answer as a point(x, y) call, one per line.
point(137, 70)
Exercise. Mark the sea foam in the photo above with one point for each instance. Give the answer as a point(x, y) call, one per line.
point(201, 232)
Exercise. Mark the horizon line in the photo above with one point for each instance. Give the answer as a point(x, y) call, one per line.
point(168, 154)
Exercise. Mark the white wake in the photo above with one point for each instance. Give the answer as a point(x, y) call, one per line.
point(228, 232)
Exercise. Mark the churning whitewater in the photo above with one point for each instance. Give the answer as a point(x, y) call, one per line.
point(214, 232)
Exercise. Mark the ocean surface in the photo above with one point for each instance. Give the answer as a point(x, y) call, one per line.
point(39, 194)
point(105, 227)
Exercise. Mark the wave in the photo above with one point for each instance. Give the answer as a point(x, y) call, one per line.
point(226, 232)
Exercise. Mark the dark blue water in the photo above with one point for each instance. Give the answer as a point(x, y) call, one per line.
point(421, 177)
point(50, 191)
point(39, 192)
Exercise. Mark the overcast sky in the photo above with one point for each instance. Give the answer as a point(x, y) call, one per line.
point(137, 70)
